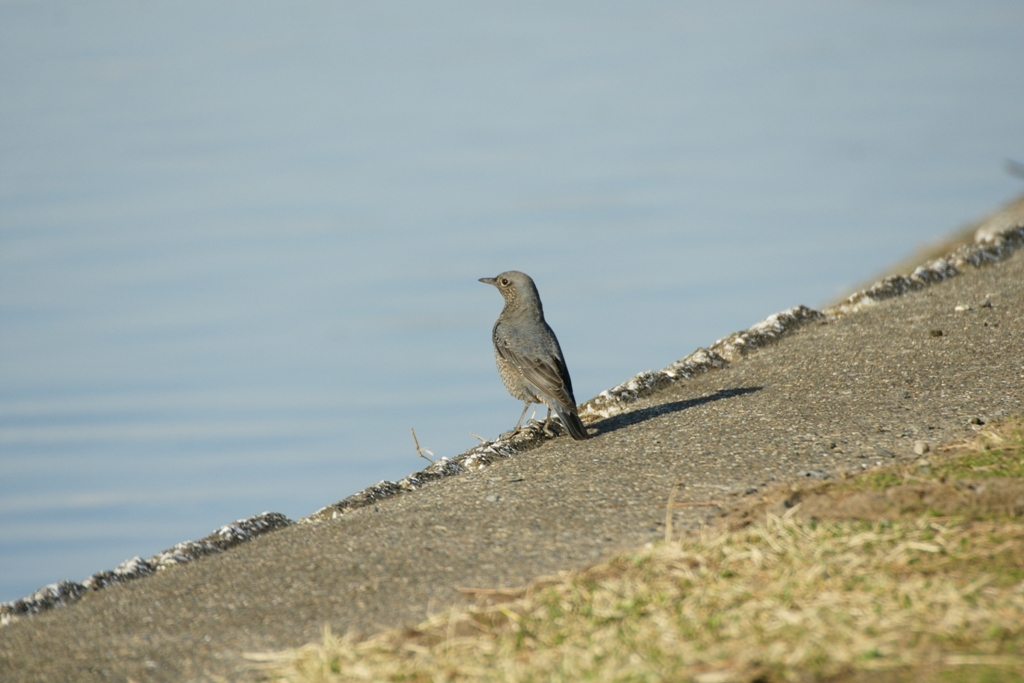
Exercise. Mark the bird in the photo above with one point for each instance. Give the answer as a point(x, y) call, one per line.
point(528, 356)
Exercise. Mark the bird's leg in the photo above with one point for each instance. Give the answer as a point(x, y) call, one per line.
point(519, 425)
point(547, 424)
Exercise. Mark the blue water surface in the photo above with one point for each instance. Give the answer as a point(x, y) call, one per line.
point(240, 241)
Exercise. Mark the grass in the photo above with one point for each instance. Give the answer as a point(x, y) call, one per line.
point(930, 594)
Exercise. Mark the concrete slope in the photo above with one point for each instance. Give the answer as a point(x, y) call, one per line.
point(840, 393)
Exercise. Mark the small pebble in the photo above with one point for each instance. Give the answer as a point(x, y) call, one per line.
point(491, 498)
point(961, 308)
point(935, 333)
point(921, 447)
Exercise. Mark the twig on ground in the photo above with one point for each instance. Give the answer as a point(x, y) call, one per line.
point(510, 593)
point(709, 503)
point(420, 449)
point(668, 510)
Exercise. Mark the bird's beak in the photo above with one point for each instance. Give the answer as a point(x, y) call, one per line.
point(487, 280)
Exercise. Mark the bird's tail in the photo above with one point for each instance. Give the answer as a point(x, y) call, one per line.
point(572, 423)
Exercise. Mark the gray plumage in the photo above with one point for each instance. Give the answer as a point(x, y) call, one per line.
point(529, 359)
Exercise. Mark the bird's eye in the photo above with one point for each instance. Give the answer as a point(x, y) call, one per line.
point(504, 281)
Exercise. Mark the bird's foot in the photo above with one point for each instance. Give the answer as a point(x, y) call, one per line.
point(520, 430)
point(549, 428)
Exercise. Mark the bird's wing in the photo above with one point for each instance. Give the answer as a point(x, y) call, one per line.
point(547, 374)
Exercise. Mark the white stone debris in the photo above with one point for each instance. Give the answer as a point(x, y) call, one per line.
point(183, 553)
point(68, 592)
point(990, 245)
point(723, 352)
point(47, 597)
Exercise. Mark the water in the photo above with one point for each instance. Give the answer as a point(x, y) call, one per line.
point(239, 242)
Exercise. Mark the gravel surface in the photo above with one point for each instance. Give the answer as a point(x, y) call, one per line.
point(838, 394)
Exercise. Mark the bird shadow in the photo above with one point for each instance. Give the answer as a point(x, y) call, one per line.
point(617, 422)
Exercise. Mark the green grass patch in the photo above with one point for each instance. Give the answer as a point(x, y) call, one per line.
point(875, 480)
point(1003, 460)
point(905, 597)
